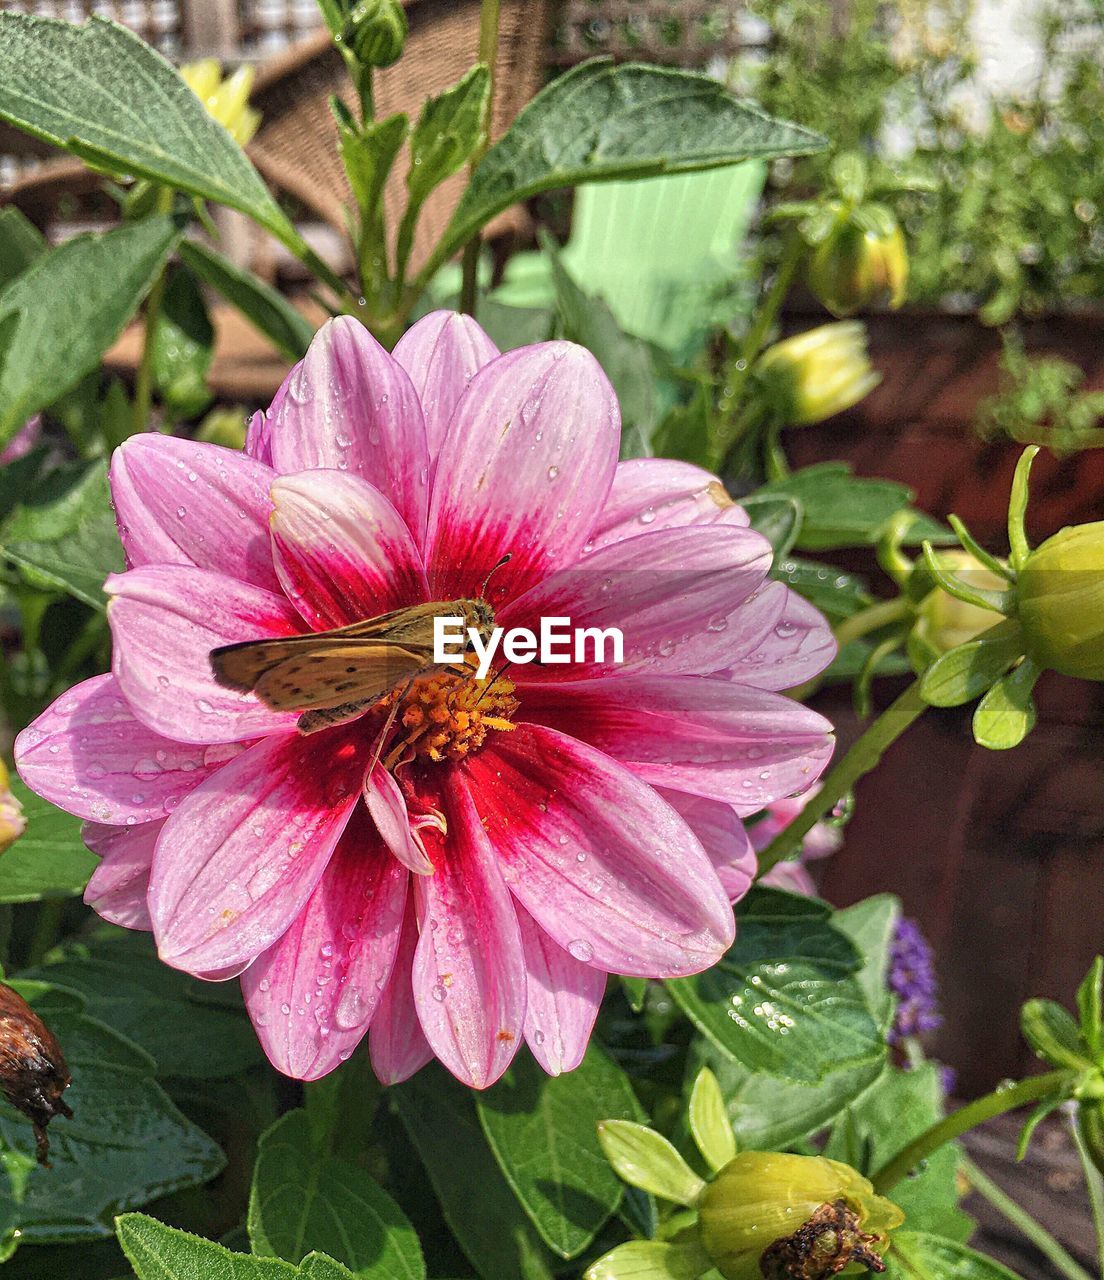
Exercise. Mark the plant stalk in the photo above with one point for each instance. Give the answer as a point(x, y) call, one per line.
point(1094, 1184)
point(143, 378)
point(489, 14)
point(1031, 1230)
point(966, 1118)
point(870, 619)
point(863, 756)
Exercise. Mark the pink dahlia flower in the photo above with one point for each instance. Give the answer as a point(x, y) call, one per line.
point(517, 838)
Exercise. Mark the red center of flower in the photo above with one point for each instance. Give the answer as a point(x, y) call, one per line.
point(447, 716)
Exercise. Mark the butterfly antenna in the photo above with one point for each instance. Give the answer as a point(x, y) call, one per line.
point(382, 738)
point(483, 589)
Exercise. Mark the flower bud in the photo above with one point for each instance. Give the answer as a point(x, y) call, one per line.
point(776, 1215)
point(33, 1071)
point(224, 427)
point(942, 621)
point(860, 265)
point(226, 100)
point(23, 441)
point(816, 374)
point(377, 32)
point(12, 822)
point(1060, 593)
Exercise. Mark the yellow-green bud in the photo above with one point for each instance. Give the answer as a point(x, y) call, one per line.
point(377, 32)
point(227, 100)
point(816, 374)
point(858, 267)
point(223, 426)
point(1060, 592)
point(810, 1216)
point(943, 622)
point(12, 822)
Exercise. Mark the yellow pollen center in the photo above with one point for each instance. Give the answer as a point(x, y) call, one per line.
point(448, 716)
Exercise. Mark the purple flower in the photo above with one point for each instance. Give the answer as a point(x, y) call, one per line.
point(912, 980)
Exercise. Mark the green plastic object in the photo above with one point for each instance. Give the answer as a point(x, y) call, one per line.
point(665, 253)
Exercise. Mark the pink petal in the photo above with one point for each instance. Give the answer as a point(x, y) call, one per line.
point(799, 646)
point(396, 1042)
point(239, 858)
point(87, 754)
point(563, 998)
point(684, 599)
point(442, 353)
point(704, 735)
point(313, 993)
point(384, 800)
point(469, 966)
point(165, 620)
point(347, 406)
point(120, 884)
point(717, 825)
point(186, 502)
point(657, 493)
point(342, 551)
point(602, 864)
point(525, 468)
point(258, 443)
point(792, 877)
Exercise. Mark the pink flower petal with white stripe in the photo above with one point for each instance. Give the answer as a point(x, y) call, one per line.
point(442, 353)
point(601, 862)
point(469, 966)
point(348, 406)
point(239, 858)
point(396, 1041)
point(717, 825)
point(563, 997)
point(384, 800)
point(312, 994)
point(165, 620)
point(656, 493)
point(342, 551)
point(525, 469)
point(119, 887)
point(88, 754)
point(700, 734)
point(186, 502)
point(681, 598)
point(798, 647)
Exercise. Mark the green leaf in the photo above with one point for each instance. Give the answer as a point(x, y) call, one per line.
point(99, 92)
point(645, 1159)
point(916, 1255)
point(49, 860)
point(1006, 714)
point(777, 517)
point(543, 1131)
point(476, 1200)
point(845, 510)
point(626, 360)
point(970, 669)
point(1053, 1035)
point(836, 593)
point(784, 998)
point(21, 243)
point(126, 1144)
point(121, 981)
point(263, 306)
point(447, 132)
point(600, 122)
point(157, 1252)
point(871, 925)
point(183, 345)
point(317, 1266)
point(63, 534)
point(1089, 1001)
point(304, 1201)
point(881, 1122)
point(709, 1123)
point(368, 152)
point(652, 1260)
point(71, 303)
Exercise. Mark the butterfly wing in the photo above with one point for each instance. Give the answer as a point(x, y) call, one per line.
point(316, 671)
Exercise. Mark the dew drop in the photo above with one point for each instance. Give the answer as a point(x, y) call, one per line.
point(581, 950)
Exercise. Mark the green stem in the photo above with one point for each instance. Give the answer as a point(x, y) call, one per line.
point(46, 930)
point(489, 14)
point(753, 343)
point(1031, 1230)
point(1094, 1184)
point(143, 378)
point(862, 757)
point(870, 619)
point(966, 1118)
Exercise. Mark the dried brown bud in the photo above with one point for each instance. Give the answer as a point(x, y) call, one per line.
point(33, 1070)
point(829, 1241)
